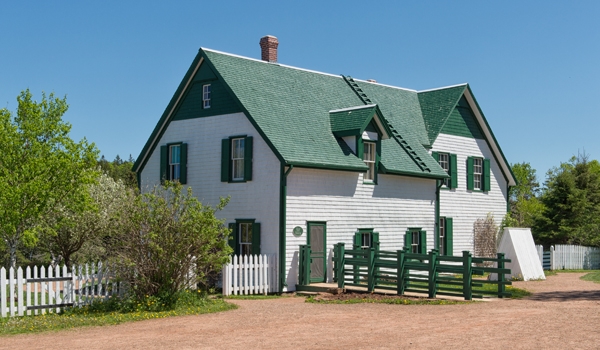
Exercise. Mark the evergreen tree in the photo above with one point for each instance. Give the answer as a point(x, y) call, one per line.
point(572, 201)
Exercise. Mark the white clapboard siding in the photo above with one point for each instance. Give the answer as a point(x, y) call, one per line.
point(462, 205)
point(48, 289)
point(572, 257)
point(250, 274)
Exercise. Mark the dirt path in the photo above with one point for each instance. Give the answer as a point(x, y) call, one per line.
point(564, 313)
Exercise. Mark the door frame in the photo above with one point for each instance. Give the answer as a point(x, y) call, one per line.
point(309, 224)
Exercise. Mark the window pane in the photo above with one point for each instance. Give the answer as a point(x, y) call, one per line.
point(175, 150)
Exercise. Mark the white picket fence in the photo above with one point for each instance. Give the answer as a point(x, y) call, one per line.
point(37, 290)
point(570, 257)
point(250, 274)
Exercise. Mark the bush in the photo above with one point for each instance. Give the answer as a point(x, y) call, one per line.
point(170, 243)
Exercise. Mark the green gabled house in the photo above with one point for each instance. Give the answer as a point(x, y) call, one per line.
point(309, 157)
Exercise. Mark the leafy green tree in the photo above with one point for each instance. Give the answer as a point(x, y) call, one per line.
point(39, 165)
point(170, 242)
point(572, 201)
point(119, 169)
point(85, 227)
point(525, 206)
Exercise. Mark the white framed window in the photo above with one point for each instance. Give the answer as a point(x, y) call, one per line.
point(369, 157)
point(367, 240)
point(174, 162)
point(415, 244)
point(477, 173)
point(206, 96)
point(245, 238)
point(442, 235)
point(444, 160)
point(237, 159)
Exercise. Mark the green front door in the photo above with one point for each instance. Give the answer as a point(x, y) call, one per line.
point(317, 239)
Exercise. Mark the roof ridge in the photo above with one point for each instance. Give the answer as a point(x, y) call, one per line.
point(271, 63)
point(401, 141)
point(386, 85)
point(443, 87)
point(351, 108)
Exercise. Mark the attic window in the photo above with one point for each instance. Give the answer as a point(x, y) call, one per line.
point(206, 96)
point(369, 158)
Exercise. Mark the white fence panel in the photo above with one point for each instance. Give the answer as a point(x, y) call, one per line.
point(572, 257)
point(250, 274)
point(20, 295)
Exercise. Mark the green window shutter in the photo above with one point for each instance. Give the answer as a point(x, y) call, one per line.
point(248, 158)
point(422, 242)
point(183, 166)
point(375, 238)
point(377, 159)
point(448, 238)
point(470, 181)
point(436, 156)
point(233, 238)
point(357, 240)
point(255, 238)
point(225, 159)
point(486, 175)
point(360, 147)
point(164, 160)
point(407, 240)
point(453, 172)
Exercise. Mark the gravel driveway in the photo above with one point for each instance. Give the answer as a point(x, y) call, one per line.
point(563, 313)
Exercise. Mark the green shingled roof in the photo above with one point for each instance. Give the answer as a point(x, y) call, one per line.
point(437, 105)
point(291, 107)
point(351, 119)
point(298, 114)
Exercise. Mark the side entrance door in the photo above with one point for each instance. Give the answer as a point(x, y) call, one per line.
point(317, 239)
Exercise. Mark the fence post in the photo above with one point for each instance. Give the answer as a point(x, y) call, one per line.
point(19, 291)
point(28, 289)
point(433, 273)
point(3, 292)
point(552, 258)
point(501, 276)
point(11, 295)
point(400, 272)
point(467, 275)
point(340, 265)
point(371, 270)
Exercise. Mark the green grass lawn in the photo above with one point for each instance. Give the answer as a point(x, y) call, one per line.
point(592, 276)
point(102, 314)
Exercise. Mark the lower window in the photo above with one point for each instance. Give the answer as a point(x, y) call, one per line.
point(415, 241)
point(365, 238)
point(245, 237)
point(445, 236)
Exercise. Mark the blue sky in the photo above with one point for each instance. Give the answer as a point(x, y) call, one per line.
point(534, 66)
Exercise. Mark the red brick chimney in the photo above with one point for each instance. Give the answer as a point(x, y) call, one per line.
point(268, 48)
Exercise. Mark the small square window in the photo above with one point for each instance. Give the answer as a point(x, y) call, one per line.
point(206, 92)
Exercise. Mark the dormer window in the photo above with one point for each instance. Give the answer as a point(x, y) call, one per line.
point(206, 96)
point(370, 158)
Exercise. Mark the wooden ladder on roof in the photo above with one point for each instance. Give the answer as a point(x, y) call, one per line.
point(401, 141)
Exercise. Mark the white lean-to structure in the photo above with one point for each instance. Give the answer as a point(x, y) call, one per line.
point(318, 159)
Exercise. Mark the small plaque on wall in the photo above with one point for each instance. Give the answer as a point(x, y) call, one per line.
point(297, 231)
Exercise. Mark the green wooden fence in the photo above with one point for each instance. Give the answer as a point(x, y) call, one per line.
point(402, 272)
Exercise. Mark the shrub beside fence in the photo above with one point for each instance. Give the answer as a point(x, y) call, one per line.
point(250, 274)
point(36, 290)
point(569, 257)
point(422, 273)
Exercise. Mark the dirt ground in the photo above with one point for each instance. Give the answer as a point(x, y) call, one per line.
point(563, 313)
